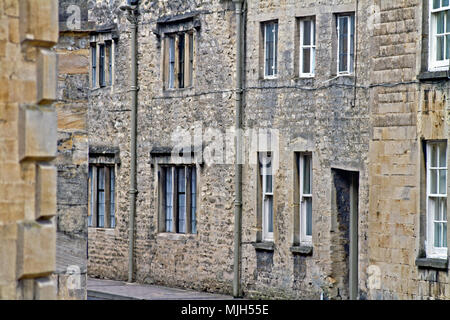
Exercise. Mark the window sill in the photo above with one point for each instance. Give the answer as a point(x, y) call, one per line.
point(102, 87)
point(432, 263)
point(306, 76)
point(305, 250)
point(167, 90)
point(175, 236)
point(433, 75)
point(345, 75)
point(102, 230)
point(268, 79)
point(264, 246)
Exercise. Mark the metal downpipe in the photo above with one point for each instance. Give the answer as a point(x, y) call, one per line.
point(237, 290)
point(133, 185)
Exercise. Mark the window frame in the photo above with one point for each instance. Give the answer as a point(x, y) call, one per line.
point(190, 199)
point(311, 46)
point(93, 64)
point(265, 172)
point(433, 63)
point(109, 214)
point(178, 73)
point(275, 50)
point(431, 250)
point(304, 237)
point(350, 48)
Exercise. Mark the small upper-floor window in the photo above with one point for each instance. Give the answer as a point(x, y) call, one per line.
point(102, 198)
point(439, 54)
point(436, 165)
point(178, 60)
point(179, 198)
point(102, 63)
point(346, 43)
point(270, 49)
point(307, 47)
point(93, 64)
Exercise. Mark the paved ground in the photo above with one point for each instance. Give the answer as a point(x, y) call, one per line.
point(119, 290)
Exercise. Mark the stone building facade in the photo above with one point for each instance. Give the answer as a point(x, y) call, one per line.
point(346, 209)
point(28, 126)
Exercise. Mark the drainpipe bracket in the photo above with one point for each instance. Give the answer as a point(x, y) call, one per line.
point(133, 191)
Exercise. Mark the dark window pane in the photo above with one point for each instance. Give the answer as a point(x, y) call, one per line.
point(102, 65)
point(113, 200)
point(94, 65)
point(181, 61)
point(171, 62)
point(306, 60)
point(440, 16)
point(269, 212)
point(169, 199)
point(181, 198)
point(308, 203)
point(91, 199)
point(306, 175)
point(306, 32)
point(194, 200)
point(269, 183)
point(191, 57)
point(275, 53)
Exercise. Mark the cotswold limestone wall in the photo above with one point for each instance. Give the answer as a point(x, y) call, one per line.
point(72, 163)
point(326, 121)
point(202, 261)
point(28, 30)
point(323, 115)
point(403, 117)
point(372, 123)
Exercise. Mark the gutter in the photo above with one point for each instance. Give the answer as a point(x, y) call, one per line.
point(237, 288)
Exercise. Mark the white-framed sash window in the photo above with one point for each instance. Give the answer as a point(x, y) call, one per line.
point(346, 43)
point(270, 49)
point(436, 163)
point(180, 199)
point(307, 53)
point(265, 165)
point(305, 188)
point(439, 46)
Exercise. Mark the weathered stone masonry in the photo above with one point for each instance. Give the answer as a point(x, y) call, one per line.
point(371, 125)
point(28, 31)
point(72, 160)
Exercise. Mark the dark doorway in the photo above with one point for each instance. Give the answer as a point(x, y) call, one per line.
point(344, 248)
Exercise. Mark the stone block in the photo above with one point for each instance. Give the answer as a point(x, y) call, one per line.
point(39, 22)
point(46, 178)
point(47, 73)
point(8, 238)
point(36, 249)
point(44, 289)
point(26, 286)
point(11, 7)
point(37, 133)
point(74, 62)
point(14, 30)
